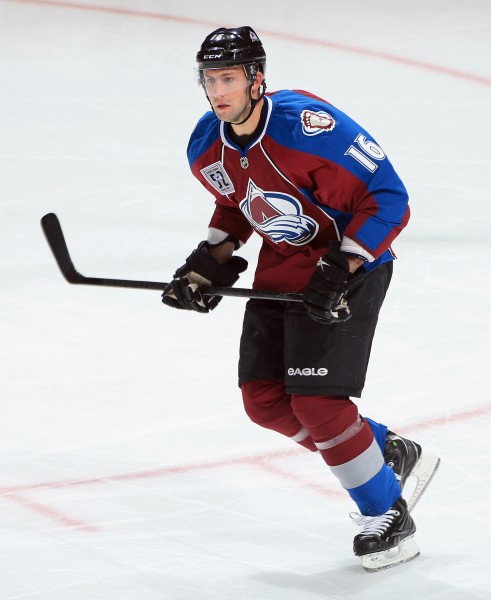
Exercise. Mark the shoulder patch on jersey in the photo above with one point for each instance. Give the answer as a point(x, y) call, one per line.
point(216, 176)
point(316, 122)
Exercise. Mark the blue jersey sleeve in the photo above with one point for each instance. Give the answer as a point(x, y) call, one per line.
point(349, 173)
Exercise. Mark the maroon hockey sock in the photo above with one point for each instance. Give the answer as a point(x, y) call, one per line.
point(267, 404)
point(334, 425)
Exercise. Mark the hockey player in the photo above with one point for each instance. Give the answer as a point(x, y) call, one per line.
point(327, 203)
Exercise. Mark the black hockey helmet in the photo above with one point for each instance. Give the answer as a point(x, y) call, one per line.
point(224, 48)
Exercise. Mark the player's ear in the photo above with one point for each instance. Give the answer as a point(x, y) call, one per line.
point(259, 80)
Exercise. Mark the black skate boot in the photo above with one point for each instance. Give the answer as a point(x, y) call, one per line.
point(401, 455)
point(406, 459)
point(386, 540)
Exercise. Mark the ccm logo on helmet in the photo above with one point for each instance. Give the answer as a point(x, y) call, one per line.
point(308, 372)
point(208, 56)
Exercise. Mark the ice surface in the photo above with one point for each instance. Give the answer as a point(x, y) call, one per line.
point(128, 469)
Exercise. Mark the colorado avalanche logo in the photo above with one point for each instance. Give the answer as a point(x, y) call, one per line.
point(278, 216)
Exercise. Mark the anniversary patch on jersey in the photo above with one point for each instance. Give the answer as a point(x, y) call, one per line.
point(278, 216)
point(216, 176)
point(314, 123)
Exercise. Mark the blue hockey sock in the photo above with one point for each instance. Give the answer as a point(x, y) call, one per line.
point(379, 432)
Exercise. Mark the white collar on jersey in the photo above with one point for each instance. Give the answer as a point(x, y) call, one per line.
point(226, 142)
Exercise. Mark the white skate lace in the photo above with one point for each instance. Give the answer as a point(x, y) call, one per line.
point(374, 525)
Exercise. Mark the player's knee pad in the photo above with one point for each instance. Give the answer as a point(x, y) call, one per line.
point(324, 416)
point(334, 424)
point(267, 404)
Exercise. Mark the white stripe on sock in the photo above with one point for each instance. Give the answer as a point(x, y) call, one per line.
point(342, 437)
point(361, 469)
point(301, 435)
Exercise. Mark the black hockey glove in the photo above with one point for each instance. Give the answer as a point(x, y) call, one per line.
point(199, 272)
point(330, 287)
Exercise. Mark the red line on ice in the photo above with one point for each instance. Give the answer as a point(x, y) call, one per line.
point(368, 52)
point(262, 461)
point(51, 513)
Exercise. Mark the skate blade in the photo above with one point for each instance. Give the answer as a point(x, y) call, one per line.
point(378, 561)
point(423, 471)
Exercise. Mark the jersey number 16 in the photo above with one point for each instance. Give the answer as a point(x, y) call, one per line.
point(365, 151)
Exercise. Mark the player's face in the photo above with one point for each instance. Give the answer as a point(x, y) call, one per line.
point(228, 92)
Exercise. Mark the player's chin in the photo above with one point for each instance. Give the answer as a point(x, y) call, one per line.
point(222, 109)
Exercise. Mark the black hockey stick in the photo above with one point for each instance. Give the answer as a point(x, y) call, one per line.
point(56, 240)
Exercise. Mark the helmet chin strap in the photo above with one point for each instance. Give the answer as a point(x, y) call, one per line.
point(253, 106)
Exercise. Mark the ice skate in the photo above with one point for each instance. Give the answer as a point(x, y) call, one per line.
point(407, 460)
point(386, 540)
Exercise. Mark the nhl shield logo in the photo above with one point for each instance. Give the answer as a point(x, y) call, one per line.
point(278, 216)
